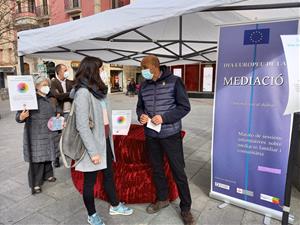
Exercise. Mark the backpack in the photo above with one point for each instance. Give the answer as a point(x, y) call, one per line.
point(70, 145)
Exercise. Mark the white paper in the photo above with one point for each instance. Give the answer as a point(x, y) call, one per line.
point(152, 126)
point(177, 72)
point(22, 93)
point(121, 121)
point(208, 79)
point(291, 45)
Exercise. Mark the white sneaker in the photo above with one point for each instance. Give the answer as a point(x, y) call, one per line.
point(95, 220)
point(121, 209)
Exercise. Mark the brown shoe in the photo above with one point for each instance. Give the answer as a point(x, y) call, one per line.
point(154, 208)
point(188, 218)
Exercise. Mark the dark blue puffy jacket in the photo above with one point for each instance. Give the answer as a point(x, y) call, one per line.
point(166, 97)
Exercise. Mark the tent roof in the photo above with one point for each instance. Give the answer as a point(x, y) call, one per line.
point(175, 30)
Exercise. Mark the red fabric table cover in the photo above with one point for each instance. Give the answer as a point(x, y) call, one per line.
point(132, 171)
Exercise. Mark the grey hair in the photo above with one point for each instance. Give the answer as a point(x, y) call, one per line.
point(39, 79)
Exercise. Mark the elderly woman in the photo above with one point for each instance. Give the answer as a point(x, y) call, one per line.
point(43, 142)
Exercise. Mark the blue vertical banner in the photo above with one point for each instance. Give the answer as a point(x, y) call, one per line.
point(251, 134)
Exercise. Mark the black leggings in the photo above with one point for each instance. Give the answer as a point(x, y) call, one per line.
point(109, 184)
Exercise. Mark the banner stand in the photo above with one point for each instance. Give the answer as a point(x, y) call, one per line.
point(250, 206)
point(288, 185)
point(280, 215)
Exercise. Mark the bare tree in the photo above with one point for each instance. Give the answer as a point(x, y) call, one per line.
point(7, 21)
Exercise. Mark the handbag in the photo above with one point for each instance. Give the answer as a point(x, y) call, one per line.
point(71, 145)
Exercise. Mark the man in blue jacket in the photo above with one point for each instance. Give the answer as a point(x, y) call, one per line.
point(164, 101)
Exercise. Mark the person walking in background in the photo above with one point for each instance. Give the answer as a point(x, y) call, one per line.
point(90, 98)
point(44, 143)
point(164, 101)
point(131, 88)
point(60, 89)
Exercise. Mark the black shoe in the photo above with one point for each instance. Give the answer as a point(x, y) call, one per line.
point(56, 163)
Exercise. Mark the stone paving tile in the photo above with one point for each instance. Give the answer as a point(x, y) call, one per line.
point(64, 208)
point(212, 215)
point(252, 218)
point(13, 190)
point(5, 202)
point(200, 156)
point(60, 190)
point(192, 167)
point(202, 178)
point(37, 219)
point(36, 202)
point(13, 214)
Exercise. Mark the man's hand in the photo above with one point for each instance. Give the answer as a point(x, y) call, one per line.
point(144, 119)
point(96, 159)
point(24, 115)
point(157, 120)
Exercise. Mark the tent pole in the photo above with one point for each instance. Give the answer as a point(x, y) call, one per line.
point(22, 69)
point(28, 136)
point(180, 36)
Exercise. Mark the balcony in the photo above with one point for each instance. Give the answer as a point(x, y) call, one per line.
point(30, 17)
point(42, 13)
point(72, 6)
point(26, 18)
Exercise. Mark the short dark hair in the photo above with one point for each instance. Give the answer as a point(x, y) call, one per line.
point(58, 68)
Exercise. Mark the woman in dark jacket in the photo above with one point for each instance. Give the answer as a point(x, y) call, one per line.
point(43, 142)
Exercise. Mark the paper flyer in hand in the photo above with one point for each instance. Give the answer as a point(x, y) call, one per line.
point(22, 93)
point(152, 126)
point(121, 121)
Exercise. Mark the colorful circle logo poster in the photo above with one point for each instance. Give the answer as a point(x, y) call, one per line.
point(22, 87)
point(121, 120)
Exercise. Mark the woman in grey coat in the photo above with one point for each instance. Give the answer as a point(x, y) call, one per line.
point(44, 143)
point(91, 103)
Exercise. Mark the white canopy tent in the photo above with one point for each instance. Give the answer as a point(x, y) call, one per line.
point(177, 31)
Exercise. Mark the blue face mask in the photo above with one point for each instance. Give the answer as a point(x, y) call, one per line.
point(147, 74)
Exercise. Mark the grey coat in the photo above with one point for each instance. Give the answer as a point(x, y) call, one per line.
point(93, 139)
point(44, 143)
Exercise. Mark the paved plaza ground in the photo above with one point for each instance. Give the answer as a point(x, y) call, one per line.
point(60, 203)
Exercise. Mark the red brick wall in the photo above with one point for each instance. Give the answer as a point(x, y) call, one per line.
point(58, 15)
point(105, 5)
point(87, 7)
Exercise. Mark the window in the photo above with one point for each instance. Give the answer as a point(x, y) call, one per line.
point(119, 3)
point(75, 3)
point(31, 6)
point(19, 7)
point(76, 17)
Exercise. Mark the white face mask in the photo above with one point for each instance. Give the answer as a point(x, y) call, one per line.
point(103, 75)
point(45, 90)
point(66, 74)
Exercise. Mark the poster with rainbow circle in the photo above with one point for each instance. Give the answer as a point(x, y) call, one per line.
point(22, 94)
point(121, 120)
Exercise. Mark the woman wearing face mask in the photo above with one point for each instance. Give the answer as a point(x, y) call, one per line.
point(90, 99)
point(44, 143)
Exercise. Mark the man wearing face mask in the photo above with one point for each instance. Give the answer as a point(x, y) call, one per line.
point(163, 100)
point(60, 89)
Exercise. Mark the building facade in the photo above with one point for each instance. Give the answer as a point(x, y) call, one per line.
point(30, 14)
